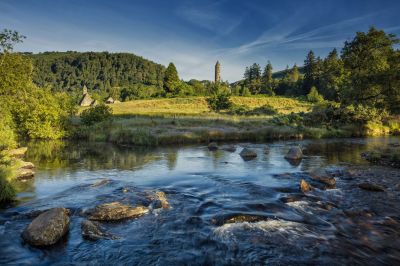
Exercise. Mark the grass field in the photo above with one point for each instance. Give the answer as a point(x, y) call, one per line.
point(189, 120)
point(194, 106)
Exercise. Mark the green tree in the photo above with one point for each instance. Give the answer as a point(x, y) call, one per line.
point(171, 80)
point(310, 72)
point(314, 97)
point(332, 76)
point(368, 60)
point(267, 80)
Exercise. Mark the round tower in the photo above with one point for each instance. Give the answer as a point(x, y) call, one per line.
point(217, 72)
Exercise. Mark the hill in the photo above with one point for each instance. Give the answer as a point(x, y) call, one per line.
point(96, 70)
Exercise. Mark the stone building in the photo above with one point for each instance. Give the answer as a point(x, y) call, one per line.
point(86, 100)
point(217, 72)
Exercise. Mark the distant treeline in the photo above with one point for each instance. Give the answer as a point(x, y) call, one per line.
point(65, 71)
point(365, 72)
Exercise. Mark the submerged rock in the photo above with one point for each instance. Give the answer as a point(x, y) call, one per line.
point(114, 211)
point(245, 218)
point(230, 148)
point(213, 146)
point(47, 228)
point(304, 186)
point(93, 231)
point(294, 153)
point(371, 187)
point(248, 154)
point(101, 183)
point(329, 182)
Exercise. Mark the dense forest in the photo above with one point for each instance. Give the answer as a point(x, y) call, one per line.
point(98, 71)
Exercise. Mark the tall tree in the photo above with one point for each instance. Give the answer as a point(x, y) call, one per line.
point(267, 80)
point(367, 61)
point(332, 76)
point(171, 79)
point(310, 72)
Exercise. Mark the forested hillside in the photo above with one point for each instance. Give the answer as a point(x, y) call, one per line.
point(96, 70)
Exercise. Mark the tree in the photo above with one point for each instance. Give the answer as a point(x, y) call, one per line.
point(368, 61)
point(8, 38)
point(267, 80)
point(310, 72)
point(171, 79)
point(332, 76)
point(313, 96)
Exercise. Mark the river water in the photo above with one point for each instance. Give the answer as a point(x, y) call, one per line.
point(223, 210)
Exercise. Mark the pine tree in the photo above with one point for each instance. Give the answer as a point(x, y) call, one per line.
point(310, 68)
point(171, 79)
point(267, 80)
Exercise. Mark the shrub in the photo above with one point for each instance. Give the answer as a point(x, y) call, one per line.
point(7, 136)
point(7, 190)
point(96, 114)
point(263, 110)
point(314, 97)
point(218, 102)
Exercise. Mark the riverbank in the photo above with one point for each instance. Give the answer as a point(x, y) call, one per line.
point(156, 122)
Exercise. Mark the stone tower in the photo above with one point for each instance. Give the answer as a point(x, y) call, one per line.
point(217, 72)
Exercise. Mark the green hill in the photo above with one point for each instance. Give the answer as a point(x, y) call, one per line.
point(96, 70)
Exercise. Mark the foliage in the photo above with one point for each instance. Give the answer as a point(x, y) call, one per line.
point(314, 97)
point(8, 38)
point(99, 71)
point(7, 127)
point(140, 91)
point(96, 114)
point(171, 80)
point(218, 102)
point(7, 191)
point(368, 62)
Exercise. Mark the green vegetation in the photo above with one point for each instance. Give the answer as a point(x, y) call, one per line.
point(96, 114)
point(219, 101)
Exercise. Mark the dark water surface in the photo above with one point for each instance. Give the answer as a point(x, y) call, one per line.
point(205, 189)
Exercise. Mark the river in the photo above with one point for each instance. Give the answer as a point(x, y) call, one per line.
point(223, 210)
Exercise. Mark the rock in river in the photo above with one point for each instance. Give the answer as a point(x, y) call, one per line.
point(294, 154)
point(23, 173)
point(17, 153)
point(114, 211)
point(371, 187)
point(304, 186)
point(248, 154)
point(93, 231)
point(47, 228)
point(213, 146)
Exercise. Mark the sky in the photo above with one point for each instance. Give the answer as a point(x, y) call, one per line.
point(195, 34)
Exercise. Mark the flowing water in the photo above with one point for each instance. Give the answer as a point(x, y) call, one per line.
point(223, 210)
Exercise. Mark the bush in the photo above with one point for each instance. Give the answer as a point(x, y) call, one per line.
point(236, 109)
point(263, 110)
point(314, 97)
point(7, 190)
point(7, 136)
point(218, 102)
point(96, 114)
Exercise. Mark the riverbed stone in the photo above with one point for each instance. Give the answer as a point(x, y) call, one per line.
point(114, 211)
point(304, 186)
point(48, 228)
point(26, 165)
point(92, 230)
point(294, 153)
point(329, 182)
point(230, 148)
point(17, 153)
point(248, 154)
point(213, 146)
point(371, 187)
point(22, 174)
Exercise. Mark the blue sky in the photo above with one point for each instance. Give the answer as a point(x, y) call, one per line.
point(195, 34)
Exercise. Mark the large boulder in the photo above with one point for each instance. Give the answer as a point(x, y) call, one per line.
point(93, 231)
point(114, 211)
point(25, 165)
point(248, 154)
point(294, 153)
point(47, 228)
